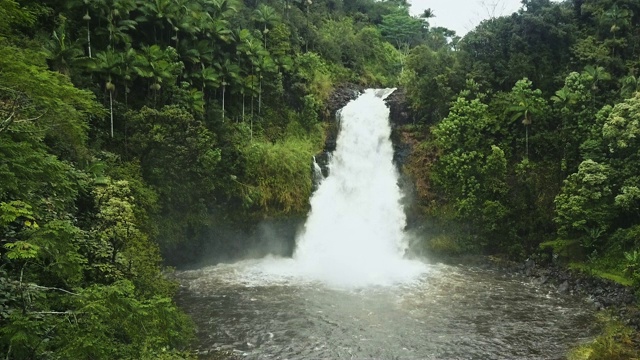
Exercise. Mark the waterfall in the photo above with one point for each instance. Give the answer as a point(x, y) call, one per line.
point(317, 174)
point(354, 232)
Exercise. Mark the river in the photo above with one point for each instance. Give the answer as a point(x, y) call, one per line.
point(449, 312)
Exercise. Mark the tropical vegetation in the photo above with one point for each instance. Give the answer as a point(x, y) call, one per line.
point(129, 129)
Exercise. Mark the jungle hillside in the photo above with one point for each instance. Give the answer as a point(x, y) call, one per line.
point(130, 129)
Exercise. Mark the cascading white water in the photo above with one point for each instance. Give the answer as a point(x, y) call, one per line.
point(317, 173)
point(354, 233)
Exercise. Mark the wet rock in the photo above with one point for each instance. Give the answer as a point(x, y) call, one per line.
point(564, 287)
point(399, 114)
point(542, 279)
point(601, 293)
point(529, 267)
point(322, 160)
point(341, 97)
point(399, 109)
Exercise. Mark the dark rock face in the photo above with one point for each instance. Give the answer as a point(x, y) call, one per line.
point(399, 114)
point(322, 160)
point(399, 110)
point(341, 97)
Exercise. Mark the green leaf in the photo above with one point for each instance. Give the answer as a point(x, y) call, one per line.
point(21, 250)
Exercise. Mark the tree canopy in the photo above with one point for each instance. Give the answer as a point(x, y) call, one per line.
point(130, 129)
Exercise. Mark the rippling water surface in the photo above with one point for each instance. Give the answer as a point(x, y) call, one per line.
point(449, 312)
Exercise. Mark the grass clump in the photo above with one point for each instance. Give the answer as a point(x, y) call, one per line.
point(616, 342)
point(279, 173)
point(600, 272)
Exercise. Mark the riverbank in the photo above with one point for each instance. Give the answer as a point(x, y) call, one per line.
point(603, 294)
point(619, 313)
point(619, 318)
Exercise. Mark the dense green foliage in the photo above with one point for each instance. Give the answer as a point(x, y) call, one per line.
point(129, 128)
point(79, 276)
point(525, 143)
point(538, 142)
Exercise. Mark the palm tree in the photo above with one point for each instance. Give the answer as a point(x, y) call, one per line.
point(159, 11)
point(214, 20)
point(230, 74)
point(87, 18)
point(88, 6)
point(630, 85)
point(427, 14)
point(265, 64)
point(616, 18)
point(250, 50)
point(118, 21)
point(185, 22)
point(522, 111)
point(117, 30)
point(200, 54)
point(220, 9)
point(127, 70)
point(219, 30)
point(563, 97)
point(158, 65)
point(265, 15)
point(527, 103)
point(61, 53)
point(108, 62)
point(251, 53)
point(209, 77)
point(596, 74)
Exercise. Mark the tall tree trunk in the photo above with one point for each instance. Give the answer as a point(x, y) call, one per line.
point(527, 140)
point(223, 91)
point(260, 97)
point(203, 84)
point(124, 120)
point(89, 38)
point(306, 42)
point(111, 110)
